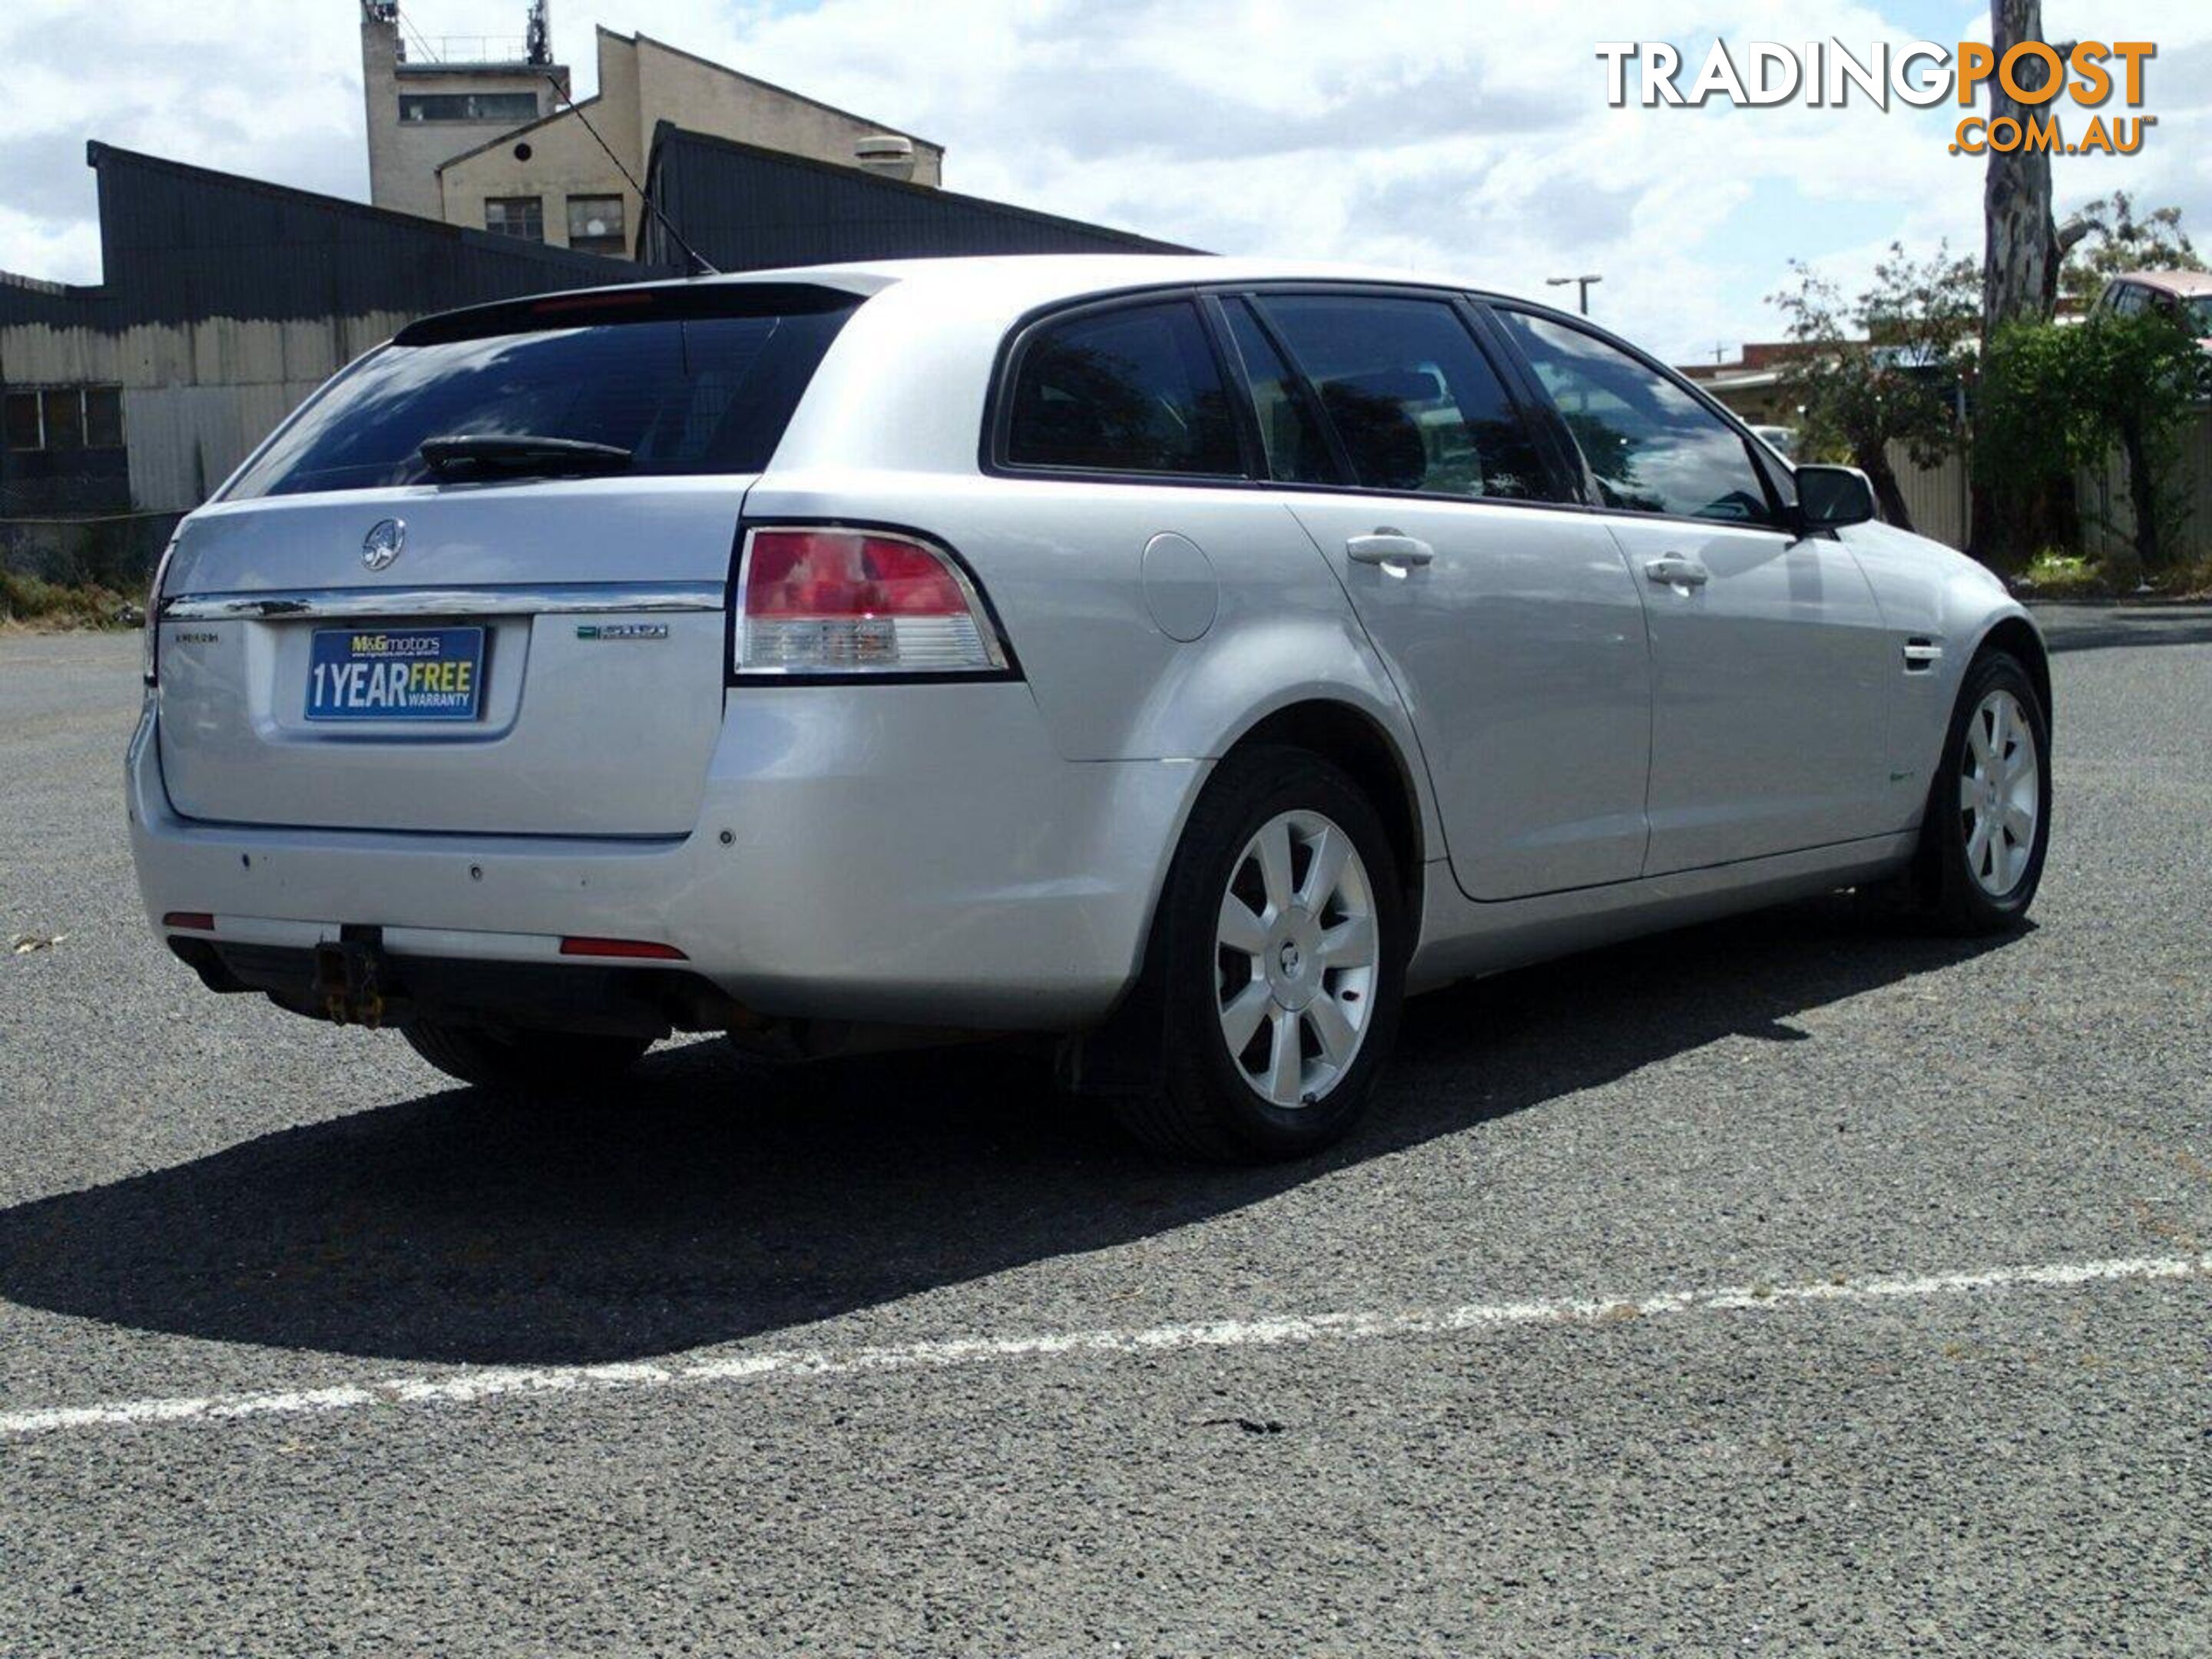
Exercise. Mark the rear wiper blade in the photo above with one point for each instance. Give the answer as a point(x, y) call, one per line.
point(519, 455)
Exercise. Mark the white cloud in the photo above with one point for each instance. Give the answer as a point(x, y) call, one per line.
point(1469, 137)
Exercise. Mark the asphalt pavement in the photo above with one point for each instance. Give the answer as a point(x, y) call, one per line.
point(1793, 1284)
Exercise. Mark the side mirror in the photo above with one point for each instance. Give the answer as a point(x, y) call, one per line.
point(1830, 497)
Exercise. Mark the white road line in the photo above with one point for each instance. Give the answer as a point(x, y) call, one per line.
point(465, 1386)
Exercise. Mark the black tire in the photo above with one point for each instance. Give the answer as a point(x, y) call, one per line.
point(1946, 892)
point(1205, 1106)
point(524, 1061)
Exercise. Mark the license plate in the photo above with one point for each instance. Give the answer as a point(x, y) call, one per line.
point(395, 674)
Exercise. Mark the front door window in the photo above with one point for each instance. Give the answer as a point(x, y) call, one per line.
point(1651, 446)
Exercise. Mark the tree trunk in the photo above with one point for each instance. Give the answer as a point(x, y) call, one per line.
point(2020, 267)
point(1875, 463)
point(2020, 258)
point(2143, 500)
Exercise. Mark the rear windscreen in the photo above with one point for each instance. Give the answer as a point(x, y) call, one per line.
point(687, 395)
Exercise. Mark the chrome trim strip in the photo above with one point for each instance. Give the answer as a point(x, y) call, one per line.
point(357, 603)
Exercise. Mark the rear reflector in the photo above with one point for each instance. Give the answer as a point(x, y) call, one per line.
point(834, 601)
point(197, 921)
point(633, 949)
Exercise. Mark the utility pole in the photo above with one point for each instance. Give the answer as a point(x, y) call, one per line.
point(1582, 287)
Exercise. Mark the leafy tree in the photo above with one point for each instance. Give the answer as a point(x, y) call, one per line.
point(2028, 441)
point(2115, 237)
point(2057, 399)
point(1883, 367)
point(2026, 256)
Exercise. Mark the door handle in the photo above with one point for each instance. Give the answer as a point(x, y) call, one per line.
point(1389, 547)
point(1677, 571)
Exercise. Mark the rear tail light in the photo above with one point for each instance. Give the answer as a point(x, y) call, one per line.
point(830, 601)
point(151, 655)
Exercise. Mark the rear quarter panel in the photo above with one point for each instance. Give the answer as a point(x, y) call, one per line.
point(1062, 564)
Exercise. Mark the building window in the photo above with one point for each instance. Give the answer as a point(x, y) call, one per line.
point(516, 216)
point(511, 109)
point(65, 417)
point(103, 418)
point(24, 429)
point(64, 410)
point(595, 225)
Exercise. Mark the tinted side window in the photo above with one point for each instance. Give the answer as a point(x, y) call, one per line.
point(1297, 453)
point(1651, 445)
point(1412, 398)
point(1129, 391)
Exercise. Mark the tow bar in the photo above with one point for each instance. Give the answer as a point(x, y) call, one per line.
point(349, 978)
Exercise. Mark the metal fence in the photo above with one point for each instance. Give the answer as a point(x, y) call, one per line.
point(1940, 497)
point(2108, 515)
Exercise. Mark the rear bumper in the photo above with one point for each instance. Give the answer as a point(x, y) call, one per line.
point(364, 983)
point(915, 855)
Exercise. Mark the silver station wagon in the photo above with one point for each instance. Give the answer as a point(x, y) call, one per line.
point(1187, 658)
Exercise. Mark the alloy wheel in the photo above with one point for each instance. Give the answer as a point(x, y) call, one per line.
point(2000, 792)
point(1295, 951)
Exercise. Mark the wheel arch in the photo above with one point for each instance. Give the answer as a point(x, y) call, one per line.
point(1121, 1053)
point(1351, 740)
point(2020, 637)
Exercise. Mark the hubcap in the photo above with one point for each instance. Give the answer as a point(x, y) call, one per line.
point(1295, 955)
point(2000, 792)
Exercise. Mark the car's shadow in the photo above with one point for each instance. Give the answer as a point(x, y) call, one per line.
point(714, 1201)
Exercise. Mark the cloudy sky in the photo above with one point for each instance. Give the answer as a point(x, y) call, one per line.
point(1469, 138)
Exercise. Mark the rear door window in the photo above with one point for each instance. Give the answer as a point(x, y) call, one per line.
point(1414, 403)
point(1651, 446)
point(1296, 450)
point(687, 394)
point(1135, 390)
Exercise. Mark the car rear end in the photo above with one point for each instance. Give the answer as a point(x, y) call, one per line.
point(476, 697)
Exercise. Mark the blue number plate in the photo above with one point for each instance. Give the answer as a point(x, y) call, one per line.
point(395, 674)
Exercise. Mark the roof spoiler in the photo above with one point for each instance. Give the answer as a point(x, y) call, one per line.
point(595, 307)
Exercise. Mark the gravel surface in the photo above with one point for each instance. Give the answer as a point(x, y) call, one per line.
point(201, 1196)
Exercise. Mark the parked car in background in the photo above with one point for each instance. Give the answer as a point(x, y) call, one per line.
point(1782, 438)
point(2185, 295)
point(1185, 658)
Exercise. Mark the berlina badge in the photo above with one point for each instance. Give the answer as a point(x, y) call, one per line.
point(384, 543)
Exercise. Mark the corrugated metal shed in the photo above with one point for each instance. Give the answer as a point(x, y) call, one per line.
point(181, 243)
point(748, 209)
point(223, 302)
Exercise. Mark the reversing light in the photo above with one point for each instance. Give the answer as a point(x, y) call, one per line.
point(832, 601)
point(634, 949)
